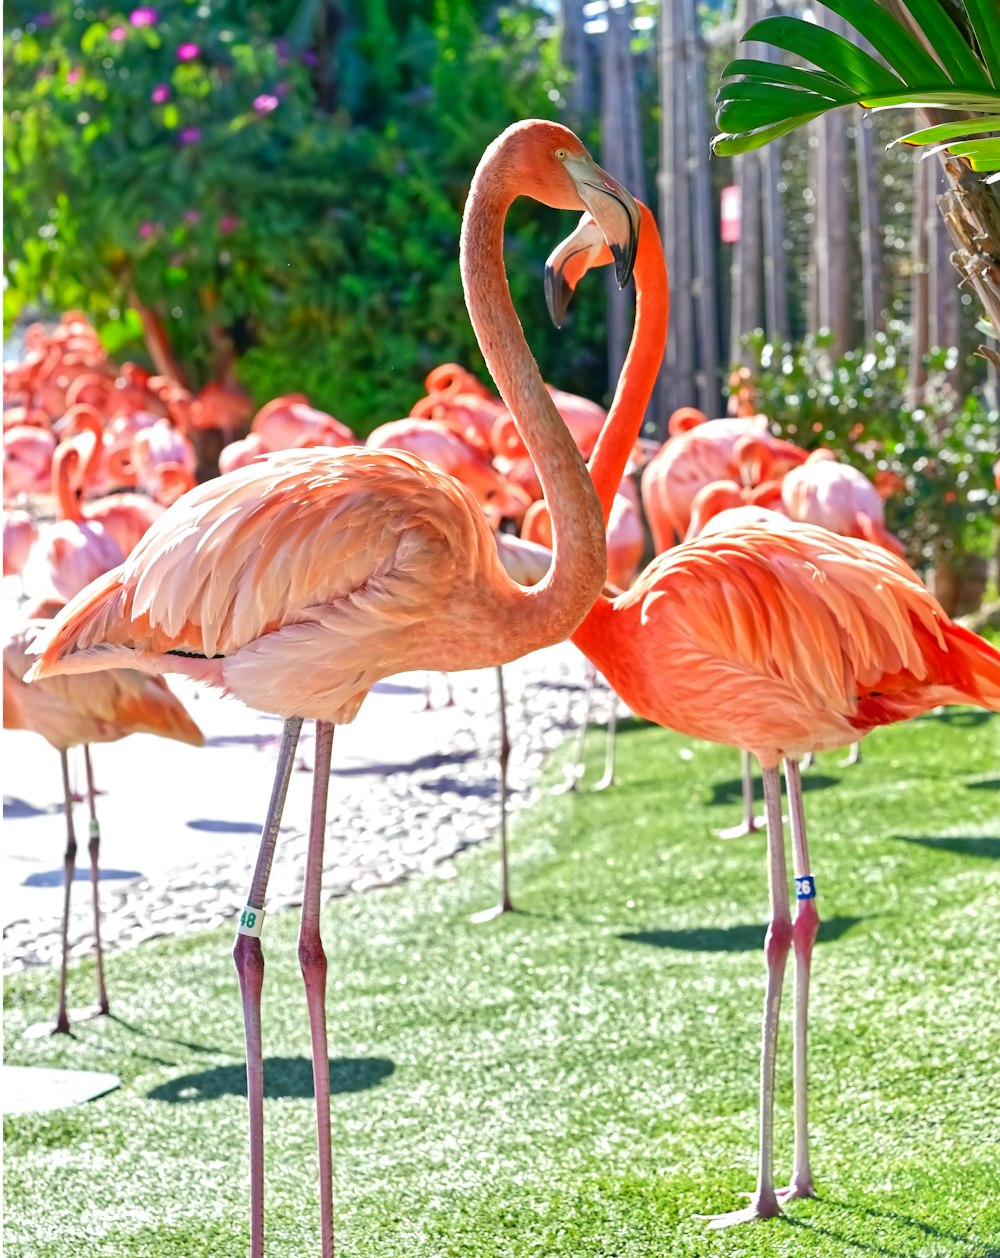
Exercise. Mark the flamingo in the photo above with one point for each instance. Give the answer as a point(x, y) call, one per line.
point(68, 711)
point(299, 581)
point(776, 640)
point(27, 460)
point(72, 551)
point(839, 497)
point(20, 532)
point(285, 421)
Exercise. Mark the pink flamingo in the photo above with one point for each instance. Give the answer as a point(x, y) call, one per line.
point(67, 711)
point(27, 460)
point(778, 641)
point(298, 582)
point(838, 497)
point(695, 457)
point(20, 532)
point(284, 422)
point(72, 551)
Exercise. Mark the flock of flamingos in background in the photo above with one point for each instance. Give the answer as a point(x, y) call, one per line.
point(778, 614)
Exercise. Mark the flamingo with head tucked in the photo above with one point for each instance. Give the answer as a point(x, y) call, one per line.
point(299, 581)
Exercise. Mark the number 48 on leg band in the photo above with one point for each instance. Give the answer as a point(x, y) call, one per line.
point(251, 921)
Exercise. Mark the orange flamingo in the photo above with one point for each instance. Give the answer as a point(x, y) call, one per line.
point(68, 711)
point(777, 640)
point(285, 421)
point(298, 582)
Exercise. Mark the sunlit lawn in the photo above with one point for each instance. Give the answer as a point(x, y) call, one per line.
point(579, 1078)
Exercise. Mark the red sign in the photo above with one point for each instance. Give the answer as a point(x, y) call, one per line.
point(729, 213)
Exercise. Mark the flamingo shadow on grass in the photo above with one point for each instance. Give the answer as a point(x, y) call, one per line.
point(850, 1240)
point(729, 792)
point(15, 809)
point(985, 846)
point(216, 825)
point(959, 718)
point(283, 1077)
point(742, 938)
point(54, 877)
point(434, 760)
point(983, 784)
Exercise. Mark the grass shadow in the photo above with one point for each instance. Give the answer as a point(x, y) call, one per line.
point(959, 718)
point(985, 846)
point(730, 791)
point(927, 1231)
point(743, 938)
point(984, 784)
point(283, 1077)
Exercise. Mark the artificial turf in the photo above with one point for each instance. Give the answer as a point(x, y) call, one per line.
point(579, 1077)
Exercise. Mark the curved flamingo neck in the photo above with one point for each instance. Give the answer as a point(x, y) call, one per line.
point(642, 366)
point(82, 418)
point(579, 564)
point(65, 462)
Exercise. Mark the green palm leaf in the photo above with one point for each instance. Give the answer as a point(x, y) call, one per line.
point(759, 100)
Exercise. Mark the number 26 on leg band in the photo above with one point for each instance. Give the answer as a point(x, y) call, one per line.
point(251, 921)
point(805, 887)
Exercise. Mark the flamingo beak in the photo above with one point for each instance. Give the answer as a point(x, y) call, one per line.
point(567, 264)
point(612, 207)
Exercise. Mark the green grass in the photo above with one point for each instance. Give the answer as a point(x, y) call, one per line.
point(579, 1078)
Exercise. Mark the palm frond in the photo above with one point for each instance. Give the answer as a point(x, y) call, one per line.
point(760, 100)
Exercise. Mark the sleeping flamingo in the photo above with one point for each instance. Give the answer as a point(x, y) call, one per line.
point(777, 640)
point(95, 708)
point(298, 582)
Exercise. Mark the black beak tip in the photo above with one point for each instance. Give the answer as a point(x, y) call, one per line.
point(624, 260)
point(557, 296)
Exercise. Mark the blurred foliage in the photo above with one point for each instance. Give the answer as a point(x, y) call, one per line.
point(942, 450)
point(281, 183)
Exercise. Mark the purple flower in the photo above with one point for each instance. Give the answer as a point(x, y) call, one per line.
point(309, 58)
point(147, 230)
point(42, 19)
point(189, 135)
point(187, 52)
point(160, 93)
point(264, 103)
point(117, 34)
point(228, 224)
point(143, 17)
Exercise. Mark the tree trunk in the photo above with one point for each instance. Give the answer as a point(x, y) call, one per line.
point(872, 284)
point(574, 51)
point(971, 211)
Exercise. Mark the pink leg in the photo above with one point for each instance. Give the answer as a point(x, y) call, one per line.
point(249, 958)
point(804, 930)
point(93, 850)
point(574, 772)
point(764, 1200)
point(312, 960)
point(750, 823)
point(69, 869)
point(505, 905)
point(608, 776)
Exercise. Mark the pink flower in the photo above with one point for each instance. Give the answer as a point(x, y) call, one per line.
point(228, 224)
point(143, 17)
point(147, 230)
point(192, 216)
point(117, 34)
point(187, 52)
point(160, 93)
point(72, 76)
point(264, 103)
point(189, 135)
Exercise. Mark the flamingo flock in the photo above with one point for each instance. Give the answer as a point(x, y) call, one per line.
point(777, 614)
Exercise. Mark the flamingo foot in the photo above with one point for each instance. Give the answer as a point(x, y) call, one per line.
point(759, 1207)
point(853, 758)
point(751, 825)
point(607, 780)
point(571, 783)
point(489, 915)
point(801, 1186)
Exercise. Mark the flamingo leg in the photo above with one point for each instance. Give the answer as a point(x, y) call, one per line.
point(750, 823)
point(853, 756)
point(574, 771)
point(763, 1202)
point(505, 905)
point(608, 776)
point(804, 929)
point(69, 869)
point(312, 960)
point(93, 850)
point(249, 958)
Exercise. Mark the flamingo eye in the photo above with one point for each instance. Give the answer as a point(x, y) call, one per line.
point(562, 154)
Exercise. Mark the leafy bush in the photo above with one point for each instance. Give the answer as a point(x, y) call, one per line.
point(273, 190)
point(942, 451)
